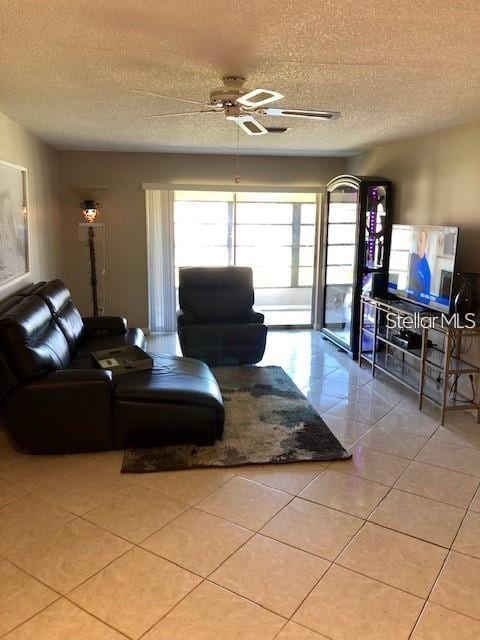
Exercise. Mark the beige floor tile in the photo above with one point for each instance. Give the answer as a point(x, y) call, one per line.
point(399, 560)
point(458, 587)
point(463, 435)
point(388, 390)
point(291, 478)
point(20, 596)
point(348, 606)
point(83, 488)
point(419, 517)
point(445, 454)
point(320, 402)
point(109, 462)
point(64, 621)
point(135, 591)
point(244, 502)
point(272, 574)
point(135, 513)
point(437, 623)
point(345, 492)
point(407, 419)
point(409, 405)
point(293, 631)
point(197, 541)
point(372, 465)
point(188, 486)
point(336, 388)
point(346, 430)
point(468, 538)
point(367, 394)
point(305, 375)
point(428, 481)
point(405, 445)
point(70, 555)
point(368, 411)
point(26, 520)
point(475, 506)
point(313, 528)
point(211, 613)
point(9, 492)
point(34, 472)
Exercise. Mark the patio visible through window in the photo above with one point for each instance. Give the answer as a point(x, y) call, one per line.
point(273, 233)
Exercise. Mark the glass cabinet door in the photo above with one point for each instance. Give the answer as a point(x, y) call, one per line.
point(340, 261)
point(375, 227)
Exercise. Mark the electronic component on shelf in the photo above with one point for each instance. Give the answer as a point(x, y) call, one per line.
point(407, 339)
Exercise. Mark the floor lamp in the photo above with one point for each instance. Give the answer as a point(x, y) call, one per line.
point(90, 212)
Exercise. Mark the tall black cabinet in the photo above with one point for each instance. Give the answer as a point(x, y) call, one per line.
point(356, 235)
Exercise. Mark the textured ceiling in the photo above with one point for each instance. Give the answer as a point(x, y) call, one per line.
point(394, 69)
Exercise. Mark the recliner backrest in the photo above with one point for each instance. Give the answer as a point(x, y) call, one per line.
point(31, 339)
point(59, 301)
point(216, 294)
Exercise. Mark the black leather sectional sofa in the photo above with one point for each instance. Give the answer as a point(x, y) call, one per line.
point(54, 400)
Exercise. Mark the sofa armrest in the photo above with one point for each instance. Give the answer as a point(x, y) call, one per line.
point(104, 326)
point(253, 317)
point(185, 317)
point(62, 412)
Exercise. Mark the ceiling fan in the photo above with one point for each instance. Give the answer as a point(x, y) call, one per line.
point(242, 105)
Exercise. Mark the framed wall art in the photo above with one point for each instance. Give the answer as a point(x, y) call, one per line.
point(14, 242)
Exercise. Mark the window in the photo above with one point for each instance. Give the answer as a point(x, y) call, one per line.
point(203, 223)
point(273, 233)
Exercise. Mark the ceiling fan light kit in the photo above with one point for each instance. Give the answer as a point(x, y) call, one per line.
point(249, 125)
point(259, 97)
point(240, 106)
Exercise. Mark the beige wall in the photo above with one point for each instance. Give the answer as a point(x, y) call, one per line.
point(124, 216)
point(437, 181)
point(19, 147)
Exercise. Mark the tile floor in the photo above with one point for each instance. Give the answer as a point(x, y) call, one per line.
point(384, 546)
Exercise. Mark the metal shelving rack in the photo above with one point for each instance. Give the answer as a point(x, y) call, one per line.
point(414, 368)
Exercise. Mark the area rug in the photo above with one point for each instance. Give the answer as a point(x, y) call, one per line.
point(267, 421)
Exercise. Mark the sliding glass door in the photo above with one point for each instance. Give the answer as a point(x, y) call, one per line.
point(273, 233)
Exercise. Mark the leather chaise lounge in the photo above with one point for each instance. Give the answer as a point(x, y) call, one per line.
point(55, 400)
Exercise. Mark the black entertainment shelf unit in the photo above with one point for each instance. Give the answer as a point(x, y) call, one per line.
point(436, 371)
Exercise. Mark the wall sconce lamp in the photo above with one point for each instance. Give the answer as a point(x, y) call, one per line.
point(90, 210)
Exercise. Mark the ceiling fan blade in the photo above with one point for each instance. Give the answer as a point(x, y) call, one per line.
point(249, 125)
point(258, 97)
point(182, 113)
point(162, 95)
point(301, 113)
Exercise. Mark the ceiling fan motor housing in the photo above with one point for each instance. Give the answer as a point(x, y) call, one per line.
point(227, 95)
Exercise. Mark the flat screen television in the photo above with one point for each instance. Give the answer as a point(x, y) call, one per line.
point(422, 264)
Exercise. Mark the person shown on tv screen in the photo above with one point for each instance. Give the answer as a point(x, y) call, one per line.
point(420, 275)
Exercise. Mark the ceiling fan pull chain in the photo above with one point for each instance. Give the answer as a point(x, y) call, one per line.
point(237, 176)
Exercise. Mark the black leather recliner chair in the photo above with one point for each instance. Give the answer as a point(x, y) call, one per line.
point(217, 323)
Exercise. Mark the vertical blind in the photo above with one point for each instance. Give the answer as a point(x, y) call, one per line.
point(161, 261)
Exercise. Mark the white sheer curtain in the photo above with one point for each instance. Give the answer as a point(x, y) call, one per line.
point(161, 260)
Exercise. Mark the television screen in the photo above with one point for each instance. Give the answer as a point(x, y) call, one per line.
point(422, 264)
